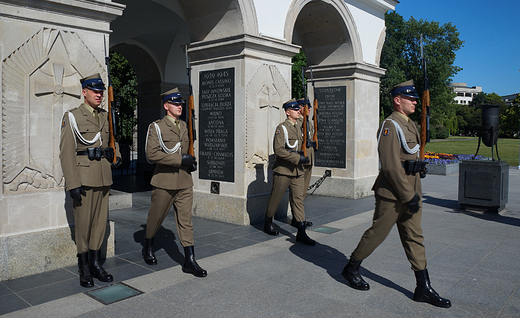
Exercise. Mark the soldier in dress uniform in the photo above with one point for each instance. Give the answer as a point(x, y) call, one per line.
point(167, 146)
point(307, 167)
point(288, 172)
point(86, 165)
point(398, 197)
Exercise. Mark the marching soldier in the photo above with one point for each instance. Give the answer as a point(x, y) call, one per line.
point(307, 167)
point(288, 172)
point(167, 147)
point(86, 165)
point(398, 197)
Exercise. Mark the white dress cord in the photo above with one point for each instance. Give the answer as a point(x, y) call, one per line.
point(176, 148)
point(286, 134)
point(75, 129)
point(401, 137)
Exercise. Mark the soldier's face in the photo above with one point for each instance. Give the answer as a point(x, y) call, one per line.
point(93, 98)
point(293, 114)
point(173, 110)
point(405, 104)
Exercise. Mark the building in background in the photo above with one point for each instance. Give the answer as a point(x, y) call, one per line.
point(465, 94)
point(508, 99)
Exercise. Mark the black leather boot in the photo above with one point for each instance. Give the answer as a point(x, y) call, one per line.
point(302, 236)
point(190, 265)
point(294, 223)
point(268, 227)
point(425, 293)
point(96, 269)
point(148, 254)
point(85, 279)
point(351, 274)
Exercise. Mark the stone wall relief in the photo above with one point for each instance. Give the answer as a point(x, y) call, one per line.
point(40, 81)
point(265, 94)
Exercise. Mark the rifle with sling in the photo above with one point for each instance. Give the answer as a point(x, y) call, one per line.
point(305, 143)
point(425, 111)
point(111, 109)
point(315, 114)
point(191, 112)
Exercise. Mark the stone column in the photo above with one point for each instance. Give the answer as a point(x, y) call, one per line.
point(46, 49)
point(239, 85)
point(348, 103)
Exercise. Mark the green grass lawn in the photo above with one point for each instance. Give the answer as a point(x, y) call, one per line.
point(508, 149)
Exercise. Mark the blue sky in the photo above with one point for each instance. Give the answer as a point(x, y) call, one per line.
point(490, 57)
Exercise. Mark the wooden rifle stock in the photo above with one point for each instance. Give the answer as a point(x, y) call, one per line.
point(424, 126)
point(305, 129)
point(191, 134)
point(191, 108)
point(112, 142)
point(111, 110)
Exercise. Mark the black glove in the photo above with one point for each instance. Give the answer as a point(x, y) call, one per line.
point(304, 160)
point(188, 160)
point(118, 163)
point(193, 167)
point(76, 194)
point(413, 204)
point(423, 173)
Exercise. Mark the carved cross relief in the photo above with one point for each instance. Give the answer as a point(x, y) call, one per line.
point(265, 94)
point(40, 81)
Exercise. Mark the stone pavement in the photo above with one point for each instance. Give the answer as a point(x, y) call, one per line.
point(473, 260)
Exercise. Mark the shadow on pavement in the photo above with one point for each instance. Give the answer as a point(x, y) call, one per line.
point(332, 269)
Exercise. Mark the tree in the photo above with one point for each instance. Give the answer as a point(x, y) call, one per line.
point(124, 82)
point(401, 57)
point(509, 120)
point(299, 61)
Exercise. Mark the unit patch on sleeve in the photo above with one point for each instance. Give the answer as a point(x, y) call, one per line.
point(277, 131)
point(63, 123)
point(386, 131)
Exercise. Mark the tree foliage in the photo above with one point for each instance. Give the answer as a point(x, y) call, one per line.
point(124, 81)
point(401, 57)
point(299, 61)
point(509, 119)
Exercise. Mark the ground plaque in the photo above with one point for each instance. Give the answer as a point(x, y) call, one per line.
point(332, 139)
point(217, 125)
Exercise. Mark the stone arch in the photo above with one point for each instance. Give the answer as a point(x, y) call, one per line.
point(211, 20)
point(311, 24)
point(145, 66)
point(380, 44)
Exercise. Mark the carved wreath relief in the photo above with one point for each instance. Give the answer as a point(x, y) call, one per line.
point(40, 81)
point(265, 94)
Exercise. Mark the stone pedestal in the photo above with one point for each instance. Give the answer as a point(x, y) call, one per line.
point(483, 185)
point(239, 85)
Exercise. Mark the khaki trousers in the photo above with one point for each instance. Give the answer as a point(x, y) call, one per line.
point(307, 173)
point(90, 217)
point(296, 195)
point(386, 214)
point(162, 200)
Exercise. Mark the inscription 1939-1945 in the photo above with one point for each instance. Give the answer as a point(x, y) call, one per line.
point(217, 125)
point(332, 127)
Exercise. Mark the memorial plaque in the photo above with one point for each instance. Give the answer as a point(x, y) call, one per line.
point(332, 130)
point(217, 125)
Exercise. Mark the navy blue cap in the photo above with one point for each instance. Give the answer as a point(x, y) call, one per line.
point(407, 89)
point(172, 96)
point(304, 101)
point(93, 82)
point(291, 104)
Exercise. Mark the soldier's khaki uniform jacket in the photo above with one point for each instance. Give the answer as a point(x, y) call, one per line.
point(288, 160)
point(393, 182)
point(310, 151)
point(79, 170)
point(168, 173)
